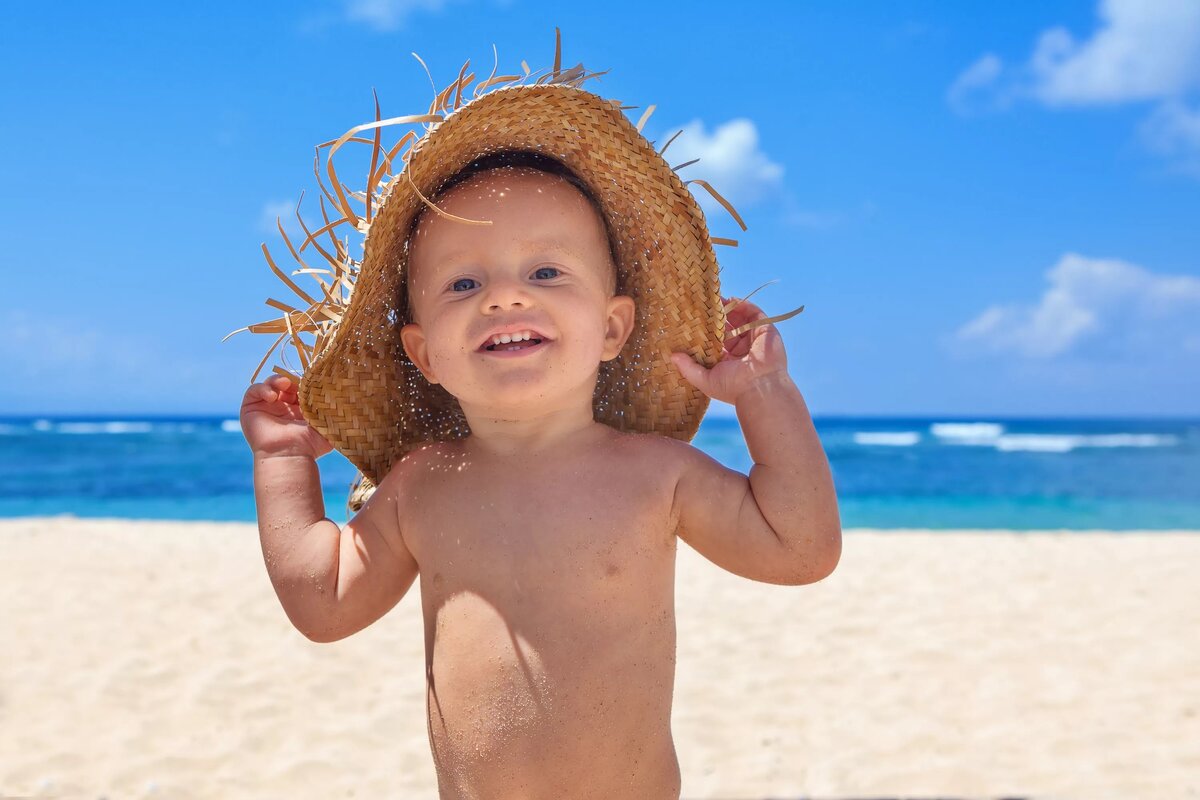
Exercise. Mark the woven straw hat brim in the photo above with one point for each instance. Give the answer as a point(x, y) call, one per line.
point(357, 386)
point(371, 402)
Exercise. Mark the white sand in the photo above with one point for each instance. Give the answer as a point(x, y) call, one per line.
point(152, 659)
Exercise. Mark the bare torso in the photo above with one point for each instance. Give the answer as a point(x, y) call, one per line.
point(547, 588)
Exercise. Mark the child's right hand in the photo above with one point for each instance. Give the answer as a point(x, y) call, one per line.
point(273, 424)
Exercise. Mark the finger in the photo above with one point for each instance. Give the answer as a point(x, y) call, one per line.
point(745, 311)
point(694, 373)
point(259, 392)
point(737, 345)
point(265, 392)
point(287, 389)
point(739, 317)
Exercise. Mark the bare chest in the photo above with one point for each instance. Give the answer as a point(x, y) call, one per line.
point(548, 598)
point(538, 532)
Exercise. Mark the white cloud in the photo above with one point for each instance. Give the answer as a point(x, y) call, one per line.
point(981, 74)
point(388, 15)
point(1140, 51)
point(730, 161)
point(1125, 307)
point(1173, 130)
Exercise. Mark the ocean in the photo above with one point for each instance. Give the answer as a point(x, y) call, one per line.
point(902, 472)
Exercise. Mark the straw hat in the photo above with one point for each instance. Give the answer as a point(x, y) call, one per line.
point(358, 387)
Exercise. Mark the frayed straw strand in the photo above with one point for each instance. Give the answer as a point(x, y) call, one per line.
point(495, 66)
point(645, 116)
point(427, 72)
point(445, 214)
point(668, 144)
point(285, 278)
point(739, 330)
point(459, 85)
point(732, 211)
point(374, 155)
point(736, 301)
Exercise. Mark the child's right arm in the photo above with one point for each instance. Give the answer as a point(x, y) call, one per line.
point(331, 582)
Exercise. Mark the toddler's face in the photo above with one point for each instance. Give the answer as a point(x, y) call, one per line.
point(543, 265)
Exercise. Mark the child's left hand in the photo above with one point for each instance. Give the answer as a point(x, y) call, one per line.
point(748, 357)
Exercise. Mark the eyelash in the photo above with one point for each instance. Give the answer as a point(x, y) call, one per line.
point(460, 280)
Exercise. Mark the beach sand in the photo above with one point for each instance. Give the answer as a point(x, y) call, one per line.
point(152, 659)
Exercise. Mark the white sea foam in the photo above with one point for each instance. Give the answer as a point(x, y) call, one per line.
point(1064, 443)
point(991, 434)
point(231, 426)
point(887, 438)
point(971, 432)
point(103, 427)
point(1132, 440)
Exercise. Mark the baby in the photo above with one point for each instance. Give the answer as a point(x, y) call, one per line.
point(545, 539)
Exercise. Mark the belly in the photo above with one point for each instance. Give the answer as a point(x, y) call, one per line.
point(543, 699)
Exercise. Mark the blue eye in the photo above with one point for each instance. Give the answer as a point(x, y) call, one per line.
point(454, 286)
point(539, 269)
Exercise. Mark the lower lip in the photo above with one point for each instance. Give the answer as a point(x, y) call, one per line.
point(524, 351)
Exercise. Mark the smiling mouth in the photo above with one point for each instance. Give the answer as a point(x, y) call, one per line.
point(507, 346)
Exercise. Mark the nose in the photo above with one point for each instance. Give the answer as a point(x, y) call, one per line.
point(504, 291)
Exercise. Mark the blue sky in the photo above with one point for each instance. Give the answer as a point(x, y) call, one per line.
point(986, 209)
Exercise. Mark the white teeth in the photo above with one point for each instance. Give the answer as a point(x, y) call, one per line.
point(505, 338)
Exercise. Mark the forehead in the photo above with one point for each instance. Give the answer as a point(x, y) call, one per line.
point(529, 210)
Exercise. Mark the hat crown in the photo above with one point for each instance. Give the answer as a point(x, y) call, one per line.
point(358, 387)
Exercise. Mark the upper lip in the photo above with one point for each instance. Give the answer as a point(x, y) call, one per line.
point(515, 327)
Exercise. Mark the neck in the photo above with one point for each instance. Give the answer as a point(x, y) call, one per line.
point(530, 430)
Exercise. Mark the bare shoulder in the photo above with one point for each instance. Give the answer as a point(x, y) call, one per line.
point(408, 481)
point(659, 459)
point(658, 452)
point(429, 457)
point(412, 476)
point(654, 449)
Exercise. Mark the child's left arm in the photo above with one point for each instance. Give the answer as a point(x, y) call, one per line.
point(780, 524)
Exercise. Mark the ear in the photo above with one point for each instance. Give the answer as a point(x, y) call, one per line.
point(413, 339)
point(619, 326)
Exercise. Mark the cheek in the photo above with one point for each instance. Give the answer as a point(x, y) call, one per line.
point(439, 348)
point(587, 339)
point(446, 344)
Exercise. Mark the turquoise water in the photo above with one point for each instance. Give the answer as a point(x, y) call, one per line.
point(1073, 474)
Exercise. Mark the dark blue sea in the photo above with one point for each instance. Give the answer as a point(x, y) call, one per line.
point(1018, 474)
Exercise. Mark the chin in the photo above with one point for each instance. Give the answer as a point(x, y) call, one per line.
point(524, 399)
point(513, 393)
